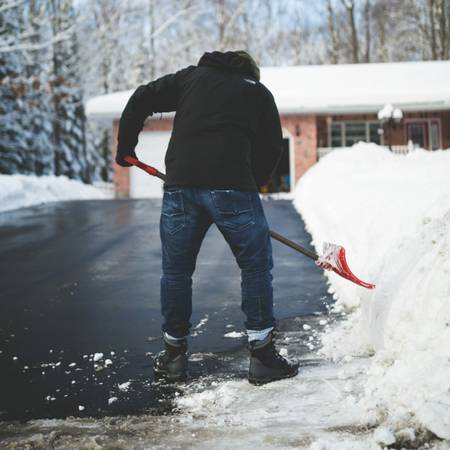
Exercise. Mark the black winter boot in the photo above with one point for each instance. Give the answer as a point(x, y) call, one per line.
point(171, 364)
point(266, 364)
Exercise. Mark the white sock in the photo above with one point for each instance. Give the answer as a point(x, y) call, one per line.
point(171, 338)
point(258, 335)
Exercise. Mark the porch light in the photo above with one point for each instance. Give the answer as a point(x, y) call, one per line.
point(390, 113)
point(397, 115)
point(389, 117)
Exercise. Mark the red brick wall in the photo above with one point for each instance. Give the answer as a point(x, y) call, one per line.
point(445, 127)
point(303, 129)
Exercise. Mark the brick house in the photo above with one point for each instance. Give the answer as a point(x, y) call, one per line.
point(322, 108)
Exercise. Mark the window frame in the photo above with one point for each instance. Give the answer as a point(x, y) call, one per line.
point(342, 124)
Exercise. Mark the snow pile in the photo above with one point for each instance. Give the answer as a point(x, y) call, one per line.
point(19, 191)
point(392, 214)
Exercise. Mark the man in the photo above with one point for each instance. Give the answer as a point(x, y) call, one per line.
point(225, 143)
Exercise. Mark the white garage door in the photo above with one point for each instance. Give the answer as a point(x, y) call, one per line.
point(151, 149)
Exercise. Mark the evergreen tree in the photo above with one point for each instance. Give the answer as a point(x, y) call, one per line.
point(37, 98)
point(69, 121)
point(13, 144)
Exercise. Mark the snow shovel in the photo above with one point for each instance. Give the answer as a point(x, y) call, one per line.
point(333, 257)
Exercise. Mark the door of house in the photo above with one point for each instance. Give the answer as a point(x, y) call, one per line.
point(417, 133)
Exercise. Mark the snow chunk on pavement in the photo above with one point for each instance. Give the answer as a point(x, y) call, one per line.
point(98, 356)
point(111, 400)
point(124, 386)
point(234, 334)
point(202, 322)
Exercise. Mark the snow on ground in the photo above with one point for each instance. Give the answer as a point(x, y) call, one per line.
point(388, 379)
point(392, 214)
point(19, 191)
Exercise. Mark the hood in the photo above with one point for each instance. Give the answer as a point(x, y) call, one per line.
point(238, 62)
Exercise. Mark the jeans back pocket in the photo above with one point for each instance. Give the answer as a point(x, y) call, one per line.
point(234, 209)
point(172, 213)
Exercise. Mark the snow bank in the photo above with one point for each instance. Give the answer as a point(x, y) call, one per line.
point(19, 191)
point(392, 213)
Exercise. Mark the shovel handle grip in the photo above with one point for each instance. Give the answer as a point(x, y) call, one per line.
point(145, 167)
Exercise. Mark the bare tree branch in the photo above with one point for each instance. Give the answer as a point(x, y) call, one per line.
point(62, 36)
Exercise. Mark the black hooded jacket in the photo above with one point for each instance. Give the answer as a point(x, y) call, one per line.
point(226, 133)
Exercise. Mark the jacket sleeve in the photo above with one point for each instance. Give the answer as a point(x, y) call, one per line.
point(160, 95)
point(266, 152)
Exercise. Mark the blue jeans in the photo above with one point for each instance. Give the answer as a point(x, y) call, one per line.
point(187, 213)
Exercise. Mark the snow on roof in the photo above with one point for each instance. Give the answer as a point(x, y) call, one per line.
point(336, 89)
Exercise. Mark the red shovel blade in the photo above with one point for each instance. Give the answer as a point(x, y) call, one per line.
point(334, 259)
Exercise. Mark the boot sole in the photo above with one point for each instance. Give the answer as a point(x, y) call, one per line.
point(261, 381)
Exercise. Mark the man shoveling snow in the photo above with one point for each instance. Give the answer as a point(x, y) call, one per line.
point(225, 143)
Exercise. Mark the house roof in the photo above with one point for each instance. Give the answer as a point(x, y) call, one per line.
point(336, 89)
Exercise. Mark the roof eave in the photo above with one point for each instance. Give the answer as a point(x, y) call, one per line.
point(322, 110)
point(366, 109)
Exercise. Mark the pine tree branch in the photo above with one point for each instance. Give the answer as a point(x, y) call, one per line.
point(10, 5)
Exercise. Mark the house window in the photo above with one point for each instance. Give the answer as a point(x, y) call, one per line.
point(355, 132)
point(374, 135)
point(345, 134)
point(336, 135)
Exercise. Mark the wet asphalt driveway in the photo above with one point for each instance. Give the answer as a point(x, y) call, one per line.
point(79, 278)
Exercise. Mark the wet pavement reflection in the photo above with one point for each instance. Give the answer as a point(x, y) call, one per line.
point(79, 279)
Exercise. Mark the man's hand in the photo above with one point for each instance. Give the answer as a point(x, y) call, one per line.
point(121, 161)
